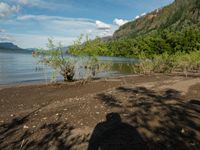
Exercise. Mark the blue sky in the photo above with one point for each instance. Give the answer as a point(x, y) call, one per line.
point(29, 23)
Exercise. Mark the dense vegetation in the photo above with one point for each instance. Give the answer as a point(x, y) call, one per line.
point(165, 41)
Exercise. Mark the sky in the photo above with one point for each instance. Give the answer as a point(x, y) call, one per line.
point(29, 23)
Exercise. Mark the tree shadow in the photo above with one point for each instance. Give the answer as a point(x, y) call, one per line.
point(113, 134)
point(109, 100)
point(194, 102)
point(164, 118)
point(54, 135)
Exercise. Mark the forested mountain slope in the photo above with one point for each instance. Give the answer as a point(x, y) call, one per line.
point(175, 16)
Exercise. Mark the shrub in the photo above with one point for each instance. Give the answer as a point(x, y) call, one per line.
point(56, 58)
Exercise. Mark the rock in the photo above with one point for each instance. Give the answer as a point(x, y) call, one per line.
point(25, 127)
point(182, 131)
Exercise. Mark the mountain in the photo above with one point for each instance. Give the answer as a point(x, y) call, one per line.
point(174, 16)
point(10, 47)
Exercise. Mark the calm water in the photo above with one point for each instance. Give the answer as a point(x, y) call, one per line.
point(23, 68)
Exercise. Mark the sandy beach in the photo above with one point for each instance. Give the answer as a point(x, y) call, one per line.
point(132, 112)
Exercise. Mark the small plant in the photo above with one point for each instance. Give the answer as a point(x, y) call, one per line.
point(144, 65)
point(56, 58)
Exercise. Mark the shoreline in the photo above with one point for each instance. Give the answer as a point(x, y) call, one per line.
point(43, 82)
point(46, 83)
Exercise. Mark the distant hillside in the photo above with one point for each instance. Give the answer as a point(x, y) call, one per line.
point(10, 47)
point(174, 16)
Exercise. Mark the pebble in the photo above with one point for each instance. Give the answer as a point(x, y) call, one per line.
point(97, 113)
point(25, 127)
point(44, 118)
point(182, 131)
point(11, 115)
point(34, 126)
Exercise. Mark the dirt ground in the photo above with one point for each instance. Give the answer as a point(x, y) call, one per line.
point(134, 112)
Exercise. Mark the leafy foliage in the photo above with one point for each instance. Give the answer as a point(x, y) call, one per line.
point(164, 41)
point(55, 58)
point(166, 63)
point(89, 47)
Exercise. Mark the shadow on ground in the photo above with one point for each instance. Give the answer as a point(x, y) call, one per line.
point(164, 119)
point(53, 135)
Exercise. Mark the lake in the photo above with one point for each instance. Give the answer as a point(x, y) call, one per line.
point(23, 68)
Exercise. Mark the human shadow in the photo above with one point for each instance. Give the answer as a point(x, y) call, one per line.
point(113, 134)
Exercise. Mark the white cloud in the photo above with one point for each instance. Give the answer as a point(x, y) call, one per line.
point(51, 18)
point(37, 17)
point(143, 14)
point(46, 4)
point(2, 30)
point(102, 26)
point(4, 36)
point(105, 33)
point(6, 10)
point(137, 17)
point(120, 22)
point(23, 2)
point(38, 3)
point(41, 27)
point(59, 24)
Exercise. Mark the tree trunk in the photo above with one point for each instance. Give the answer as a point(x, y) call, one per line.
point(68, 76)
